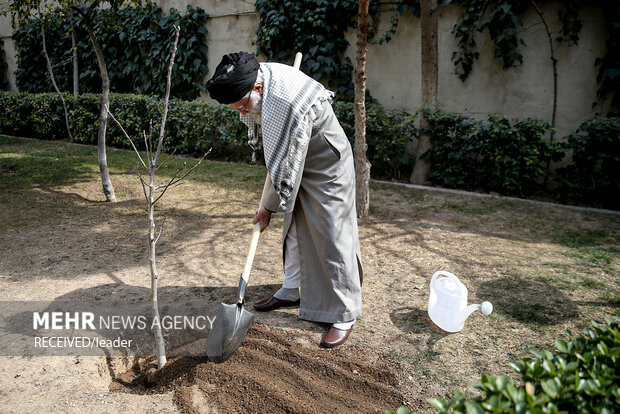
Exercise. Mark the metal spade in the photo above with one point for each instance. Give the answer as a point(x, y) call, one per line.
point(232, 321)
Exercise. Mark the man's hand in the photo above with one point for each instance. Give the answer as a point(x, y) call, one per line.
point(263, 216)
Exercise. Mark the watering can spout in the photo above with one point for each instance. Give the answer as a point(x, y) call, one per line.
point(468, 311)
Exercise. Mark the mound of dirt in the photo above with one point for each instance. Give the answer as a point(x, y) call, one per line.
point(273, 371)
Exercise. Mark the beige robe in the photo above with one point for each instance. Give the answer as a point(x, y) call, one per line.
point(326, 222)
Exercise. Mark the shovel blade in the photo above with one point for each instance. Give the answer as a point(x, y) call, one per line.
point(227, 332)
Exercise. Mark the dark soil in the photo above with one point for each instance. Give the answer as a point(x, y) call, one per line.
point(273, 371)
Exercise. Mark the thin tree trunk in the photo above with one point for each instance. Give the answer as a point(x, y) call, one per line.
point(422, 167)
point(108, 189)
point(76, 68)
point(159, 338)
point(51, 73)
point(362, 165)
point(554, 63)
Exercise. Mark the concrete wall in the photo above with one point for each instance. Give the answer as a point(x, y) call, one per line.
point(394, 68)
point(394, 76)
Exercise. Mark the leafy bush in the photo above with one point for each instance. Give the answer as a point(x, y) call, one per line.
point(388, 132)
point(193, 127)
point(580, 376)
point(594, 173)
point(458, 160)
point(133, 41)
point(507, 156)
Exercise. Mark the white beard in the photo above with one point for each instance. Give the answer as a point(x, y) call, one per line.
point(257, 118)
point(257, 106)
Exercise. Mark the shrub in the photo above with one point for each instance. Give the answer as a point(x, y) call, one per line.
point(193, 126)
point(580, 376)
point(594, 172)
point(457, 157)
point(507, 156)
point(388, 132)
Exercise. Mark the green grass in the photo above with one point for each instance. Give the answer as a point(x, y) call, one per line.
point(32, 163)
point(581, 238)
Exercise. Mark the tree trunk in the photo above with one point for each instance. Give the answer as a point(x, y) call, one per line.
point(108, 189)
point(422, 167)
point(554, 63)
point(53, 79)
point(76, 68)
point(362, 166)
point(159, 338)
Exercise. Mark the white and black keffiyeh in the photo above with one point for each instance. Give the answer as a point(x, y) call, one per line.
point(291, 101)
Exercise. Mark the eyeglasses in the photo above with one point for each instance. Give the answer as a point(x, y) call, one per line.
point(243, 108)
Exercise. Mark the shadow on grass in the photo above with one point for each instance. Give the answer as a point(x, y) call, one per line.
point(527, 301)
point(518, 299)
point(28, 163)
point(411, 320)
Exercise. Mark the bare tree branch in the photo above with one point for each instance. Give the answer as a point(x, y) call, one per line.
point(192, 169)
point(166, 186)
point(166, 160)
point(161, 228)
point(151, 138)
point(177, 29)
point(173, 181)
point(158, 189)
point(127, 136)
point(148, 152)
point(144, 184)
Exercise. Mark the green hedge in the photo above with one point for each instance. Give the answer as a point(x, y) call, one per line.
point(594, 174)
point(513, 157)
point(579, 376)
point(193, 126)
point(507, 156)
point(388, 132)
point(502, 155)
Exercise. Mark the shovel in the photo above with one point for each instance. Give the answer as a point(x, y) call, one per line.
point(232, 321)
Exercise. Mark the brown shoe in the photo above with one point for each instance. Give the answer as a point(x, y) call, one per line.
point(336, 337)
point(273, 303)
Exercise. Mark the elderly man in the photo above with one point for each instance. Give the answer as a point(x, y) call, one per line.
point(310, 162)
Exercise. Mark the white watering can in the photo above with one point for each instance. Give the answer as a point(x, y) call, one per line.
point(447, 305)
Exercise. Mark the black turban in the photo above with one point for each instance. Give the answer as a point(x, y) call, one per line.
point(234, 77)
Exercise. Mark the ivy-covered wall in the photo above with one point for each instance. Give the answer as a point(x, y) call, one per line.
point(135, 42)
point(522, 91)
point(394, 67)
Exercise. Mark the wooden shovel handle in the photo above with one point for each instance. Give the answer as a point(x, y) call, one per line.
point(256, 231)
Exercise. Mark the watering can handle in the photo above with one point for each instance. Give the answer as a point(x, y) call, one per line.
point(444, 273)
point(256, 231)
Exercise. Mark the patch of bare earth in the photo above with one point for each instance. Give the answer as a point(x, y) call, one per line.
point(274, 371)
